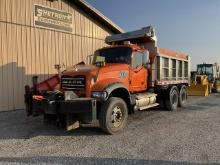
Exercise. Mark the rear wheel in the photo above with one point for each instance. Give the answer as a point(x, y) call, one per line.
point(172, 99)
point(113, 115)
point(182, 96)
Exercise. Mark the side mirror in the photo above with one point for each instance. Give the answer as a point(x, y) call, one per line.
point(57, 66)
point(147, 65)
point(146, 59)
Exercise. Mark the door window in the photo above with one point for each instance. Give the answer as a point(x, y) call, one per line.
point(137, 59)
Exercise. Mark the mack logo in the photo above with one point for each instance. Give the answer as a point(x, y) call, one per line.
point(78, 82)
point(123, 74)
point(73, 82)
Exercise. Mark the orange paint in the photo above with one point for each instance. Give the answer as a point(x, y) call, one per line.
point(171, 53)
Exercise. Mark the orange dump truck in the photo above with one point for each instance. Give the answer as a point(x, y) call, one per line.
point(131, 74)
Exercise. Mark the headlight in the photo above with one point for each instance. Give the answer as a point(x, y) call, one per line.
point(100, 95)
point(93, 80)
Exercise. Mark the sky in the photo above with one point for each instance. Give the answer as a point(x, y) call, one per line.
point(188, 26)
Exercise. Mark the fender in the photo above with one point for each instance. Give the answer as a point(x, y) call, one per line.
point(103, 84)
point(110, 85)
point(116, 87)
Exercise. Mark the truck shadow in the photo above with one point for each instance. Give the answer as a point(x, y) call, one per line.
point(89, 160)
point(16, 125)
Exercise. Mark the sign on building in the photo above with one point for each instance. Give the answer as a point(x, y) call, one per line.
point(52, 19)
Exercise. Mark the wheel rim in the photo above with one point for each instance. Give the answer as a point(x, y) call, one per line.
point(116, 117)
point(174, 98)
point(184, 96)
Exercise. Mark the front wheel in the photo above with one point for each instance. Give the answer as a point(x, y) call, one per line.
point(113, 115)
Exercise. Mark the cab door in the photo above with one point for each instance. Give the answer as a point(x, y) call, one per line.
point(138, 72)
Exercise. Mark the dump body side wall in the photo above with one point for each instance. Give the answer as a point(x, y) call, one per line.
point(171, 69)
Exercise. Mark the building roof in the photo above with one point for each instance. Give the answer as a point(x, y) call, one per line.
point(85, 6)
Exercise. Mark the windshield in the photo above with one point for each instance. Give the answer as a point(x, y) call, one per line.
point(203, 69)
point(113, 55)
point(207, 70)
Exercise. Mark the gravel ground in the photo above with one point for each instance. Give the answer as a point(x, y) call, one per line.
point(190, 136)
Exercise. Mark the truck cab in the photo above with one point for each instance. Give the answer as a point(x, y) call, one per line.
point(126, 64)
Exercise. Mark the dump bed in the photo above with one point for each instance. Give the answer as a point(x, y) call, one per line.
point(171, 67)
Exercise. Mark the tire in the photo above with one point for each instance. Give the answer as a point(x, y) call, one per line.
point(113, 115)
point(210, 89)
point(182, 96)
point(216, 86)
point(172, 99)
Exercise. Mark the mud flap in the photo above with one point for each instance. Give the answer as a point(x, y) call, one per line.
point(71, 123)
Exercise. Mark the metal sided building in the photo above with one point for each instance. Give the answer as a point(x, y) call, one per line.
point(37, 34)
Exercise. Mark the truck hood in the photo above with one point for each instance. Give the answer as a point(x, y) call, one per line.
point(96, 78)
point(109, 70)
point(80, 70)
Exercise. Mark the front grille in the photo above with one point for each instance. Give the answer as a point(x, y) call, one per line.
point(71, 83)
